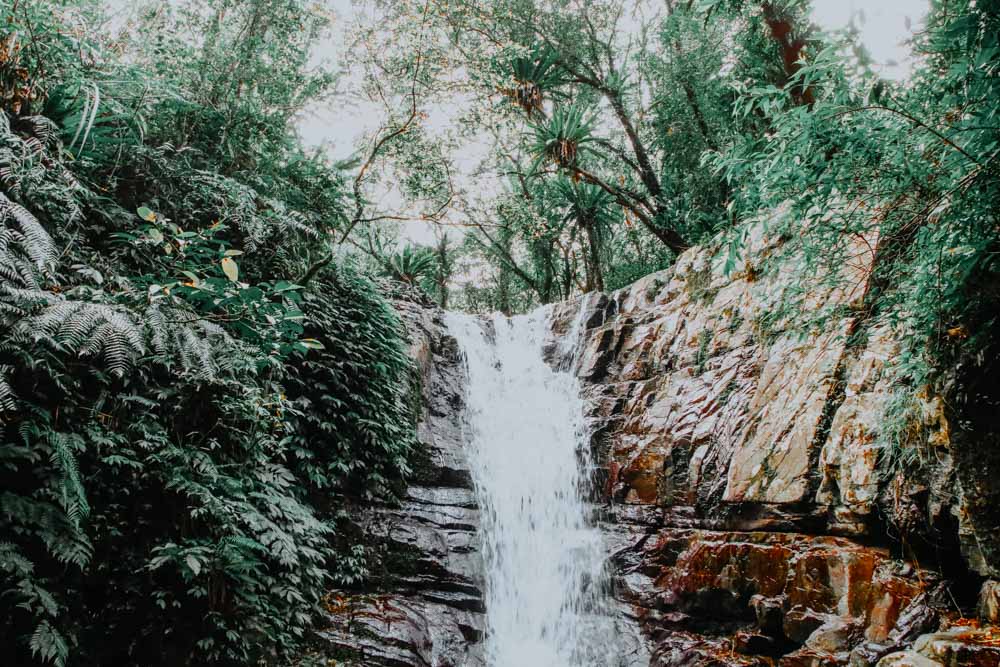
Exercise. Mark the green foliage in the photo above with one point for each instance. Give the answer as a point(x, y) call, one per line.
point(534, 74)
point(590, 208)
point(165, 497)
point(412, 265)
point(563, 139)
point(656, 98)
point(361, 365)
point(586, 201)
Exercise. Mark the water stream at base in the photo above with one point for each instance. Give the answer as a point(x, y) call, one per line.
point(546, 592)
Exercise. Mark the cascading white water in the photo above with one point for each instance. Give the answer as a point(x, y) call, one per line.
point(546, 603)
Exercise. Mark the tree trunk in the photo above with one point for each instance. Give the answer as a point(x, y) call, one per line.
point(595, 275)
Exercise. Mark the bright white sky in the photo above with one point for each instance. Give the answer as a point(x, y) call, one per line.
point(885, 25)
point(342, 124)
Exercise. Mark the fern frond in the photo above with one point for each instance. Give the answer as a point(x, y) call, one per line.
point(47, 644)
point(195, 353)
point(15, 268)
point(201, 347)
point(294, 220)
point(258, 218)
point(12, 561)
point(29, 235)
point(45, 129)
point(19, 302)
point(74, 498)
point(65, 540)
point(89, 329)
point(7, 398)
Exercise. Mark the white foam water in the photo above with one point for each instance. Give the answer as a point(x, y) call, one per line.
point(546, 588)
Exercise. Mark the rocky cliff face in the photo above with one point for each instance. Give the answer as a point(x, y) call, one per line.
point(753, 515)
point(426, 604)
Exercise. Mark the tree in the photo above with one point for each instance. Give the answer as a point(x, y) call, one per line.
point(569, 90)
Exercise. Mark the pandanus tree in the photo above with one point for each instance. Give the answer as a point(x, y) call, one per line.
point(534, 75)
point(411, 265)
point(591, 209)
point(563, 139)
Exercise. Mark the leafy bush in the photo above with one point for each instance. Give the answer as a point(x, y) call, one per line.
point(164, 492)
point(361, 366)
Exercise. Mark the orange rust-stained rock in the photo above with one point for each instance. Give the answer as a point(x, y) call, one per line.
point(826, 593)
point(739, 567)
point(642, 476)
point(806, 657)
point(889, 596)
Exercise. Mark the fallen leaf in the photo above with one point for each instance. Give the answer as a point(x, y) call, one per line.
point(230, 268)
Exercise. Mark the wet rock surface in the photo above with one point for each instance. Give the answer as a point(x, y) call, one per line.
point(751, 515)
point(427, 610)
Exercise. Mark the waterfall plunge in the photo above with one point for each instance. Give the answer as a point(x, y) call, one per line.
point(546, 600)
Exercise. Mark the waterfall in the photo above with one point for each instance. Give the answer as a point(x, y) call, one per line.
point(546, 591)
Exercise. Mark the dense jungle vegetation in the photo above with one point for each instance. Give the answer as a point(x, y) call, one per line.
point(199, 361)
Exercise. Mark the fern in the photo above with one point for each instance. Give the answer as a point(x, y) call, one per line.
point(49, 645)
point(40, 127)
point(23, 234)
point(202, 349)
point(73, 497)
point(64, 539)
point(7, 398)
point(15, 268)
point(89, 330)
point(259, 219)
point(30, 170)
point(12, 561)
point(20, 302)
